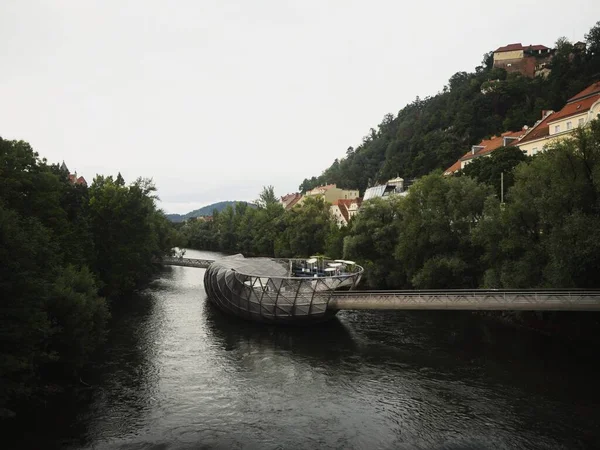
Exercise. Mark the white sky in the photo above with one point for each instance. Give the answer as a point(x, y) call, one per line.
point(215, 98)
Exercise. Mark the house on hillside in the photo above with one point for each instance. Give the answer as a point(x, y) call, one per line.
point(395, 186)
point(289, 200)
point(344, 209)
point(579, 111)
point(330, 194)
point(528, 60)
point(485, 148)
point(73, 178)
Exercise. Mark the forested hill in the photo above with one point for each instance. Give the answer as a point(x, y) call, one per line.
point(204, 211)
point(433, 132)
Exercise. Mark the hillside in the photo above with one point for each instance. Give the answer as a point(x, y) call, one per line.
point(431, 133)
point(204, 211)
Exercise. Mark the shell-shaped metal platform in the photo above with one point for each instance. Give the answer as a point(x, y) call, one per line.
point(278, 290)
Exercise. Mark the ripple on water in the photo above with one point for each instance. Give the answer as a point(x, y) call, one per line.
point(181, 375)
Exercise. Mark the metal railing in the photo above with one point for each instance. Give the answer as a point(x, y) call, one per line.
point(475, 299)
point(440, 299)
point(186, 262)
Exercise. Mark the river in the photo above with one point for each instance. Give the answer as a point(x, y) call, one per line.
point(178, 374)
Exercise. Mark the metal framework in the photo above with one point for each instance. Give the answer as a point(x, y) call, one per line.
point(476, 299)
point(269, 290)
point(187, 262)
point(266, 289)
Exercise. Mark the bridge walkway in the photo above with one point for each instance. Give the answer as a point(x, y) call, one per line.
point(448, 299)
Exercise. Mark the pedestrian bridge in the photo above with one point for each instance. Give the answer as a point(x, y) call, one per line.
point(448, 299)
point(474, 299)
point(187, 262)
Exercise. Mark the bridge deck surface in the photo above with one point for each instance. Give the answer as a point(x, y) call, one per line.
point(474, 299)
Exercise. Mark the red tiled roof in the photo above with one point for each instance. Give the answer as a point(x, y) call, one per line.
point(326, 187)
point(590, 90)
point(489, 145)
point(81, 180)
point(344, 206)
point(453, 168)
point(344, 210)
point(519, 46)
point(542, 129)
point(509, 48)
point(286, 198)
point(292, 202)
point(574, 108)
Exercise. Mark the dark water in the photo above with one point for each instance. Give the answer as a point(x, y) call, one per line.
point(179, 375)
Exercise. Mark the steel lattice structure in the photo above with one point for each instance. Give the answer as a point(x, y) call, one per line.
point(266, 290)
point(263, 289)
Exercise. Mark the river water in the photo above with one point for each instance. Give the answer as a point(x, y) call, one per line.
point(178, 374)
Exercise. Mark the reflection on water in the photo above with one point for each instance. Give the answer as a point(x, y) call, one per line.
point(180, 374)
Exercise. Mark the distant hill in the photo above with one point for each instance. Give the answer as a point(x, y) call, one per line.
point(204, 211)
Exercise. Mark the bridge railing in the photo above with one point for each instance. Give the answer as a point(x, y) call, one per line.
point(186, 262)
point(471, 299)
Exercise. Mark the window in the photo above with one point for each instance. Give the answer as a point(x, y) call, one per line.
point(569, 125)
point(557, 129)
point(534, 150)
point(580, 122)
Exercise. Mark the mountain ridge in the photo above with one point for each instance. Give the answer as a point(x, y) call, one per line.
point(204, 211)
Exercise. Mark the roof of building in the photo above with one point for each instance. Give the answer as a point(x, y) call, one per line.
point(286, 198)
point(519, 46)
point(453, 168)
point(292, 202)
point(572, 109)
point(486, 147)
point(489, 145)
point(324, 188)
point(588, 91)
point(344, 206)
point(539, 130)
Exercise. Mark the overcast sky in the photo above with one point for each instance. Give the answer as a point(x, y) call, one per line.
point(215, 98)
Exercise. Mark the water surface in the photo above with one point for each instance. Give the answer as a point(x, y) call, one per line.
point(178, 374)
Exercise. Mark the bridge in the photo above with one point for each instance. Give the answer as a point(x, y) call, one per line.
point(448, 299)
point(186, 262)
point(473, 299)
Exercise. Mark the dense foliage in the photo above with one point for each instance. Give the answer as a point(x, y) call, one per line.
point(64, 249)
point(434, 132)
point(267, 230)
point(449, 232)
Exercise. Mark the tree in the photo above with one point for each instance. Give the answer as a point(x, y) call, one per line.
point(78, 315)
point(266, 197)
point(371, 242)
point(306, 229)
point(435, 243)
point(546, 234)
point(592, 39)
point(489, 170)
point(129, 232)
